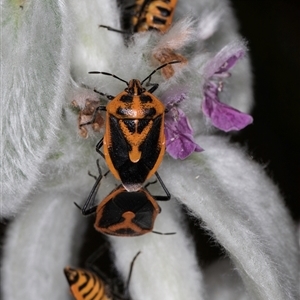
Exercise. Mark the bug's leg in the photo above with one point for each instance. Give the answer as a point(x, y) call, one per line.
point(99, 171)
point(153, 88)
point(149, 83)
point(161, 198)
point(96, 254)
point(90, 174)
point(129, 274)
point(130, 270)
point(89, 206)
point(125, 295)
point(98, 147)
point(101, 107)
point(149, 183)
point(90, 262)
point(109, 97)
point(91, 265)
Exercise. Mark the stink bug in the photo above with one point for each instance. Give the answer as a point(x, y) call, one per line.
point(124, 213)
point(147, 15)
point(86, 285)
point(153, 14)
point(134, 138)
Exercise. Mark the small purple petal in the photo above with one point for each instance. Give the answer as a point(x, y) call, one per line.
point(182, 147)
point(225, 59)
point(230, 62)
point(221, 115)
point(174, 95)
point(179, 135)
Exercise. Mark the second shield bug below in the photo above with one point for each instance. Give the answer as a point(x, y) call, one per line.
point(124, 213)
point(85, 284)
point(134, 138)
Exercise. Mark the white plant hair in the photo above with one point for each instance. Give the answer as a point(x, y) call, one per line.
point(48, 48)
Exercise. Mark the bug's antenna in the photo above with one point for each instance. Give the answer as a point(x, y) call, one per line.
point(160, 67)
point(109, 74)
point(113, 29)
point(131, 268)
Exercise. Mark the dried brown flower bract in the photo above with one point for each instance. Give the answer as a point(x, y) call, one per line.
point(166, 55)
point(86, 115)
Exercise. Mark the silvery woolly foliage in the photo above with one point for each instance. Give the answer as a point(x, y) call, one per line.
point(48, 48)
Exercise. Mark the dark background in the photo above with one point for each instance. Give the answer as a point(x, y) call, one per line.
point(272, 29)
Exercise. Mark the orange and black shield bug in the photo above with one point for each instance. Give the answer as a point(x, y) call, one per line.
point(147, 15)
point(134, 138)
point(153, 14)
point(124, 213)
point(87, 285)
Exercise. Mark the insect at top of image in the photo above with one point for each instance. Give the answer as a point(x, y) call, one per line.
point(134, 138)
point(151, 14)
point(145, 15)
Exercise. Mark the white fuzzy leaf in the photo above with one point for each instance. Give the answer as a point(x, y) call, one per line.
point(244, 211)
point(223, 282)
point(35, 63)
point(38, 245)
point(167, 267)
point(232, 195)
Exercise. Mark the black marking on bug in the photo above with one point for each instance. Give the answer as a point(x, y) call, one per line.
point(126, 98)
point(129, 172)
point(157, 20)
point(164, 12)
point(150, 155)
point(135, 202)
point(142, 123)
point(125, 231)
point(149, 112)
point(73, 279)
point(145, 98)
point(130, 124)
point(82, 286)
point(122, 111)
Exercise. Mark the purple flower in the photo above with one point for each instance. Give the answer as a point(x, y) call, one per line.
point(220, 114)
point(179, 134)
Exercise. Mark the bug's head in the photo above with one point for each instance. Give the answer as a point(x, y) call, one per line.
point(72, 275)
point(135, 88)
point(127, 213)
